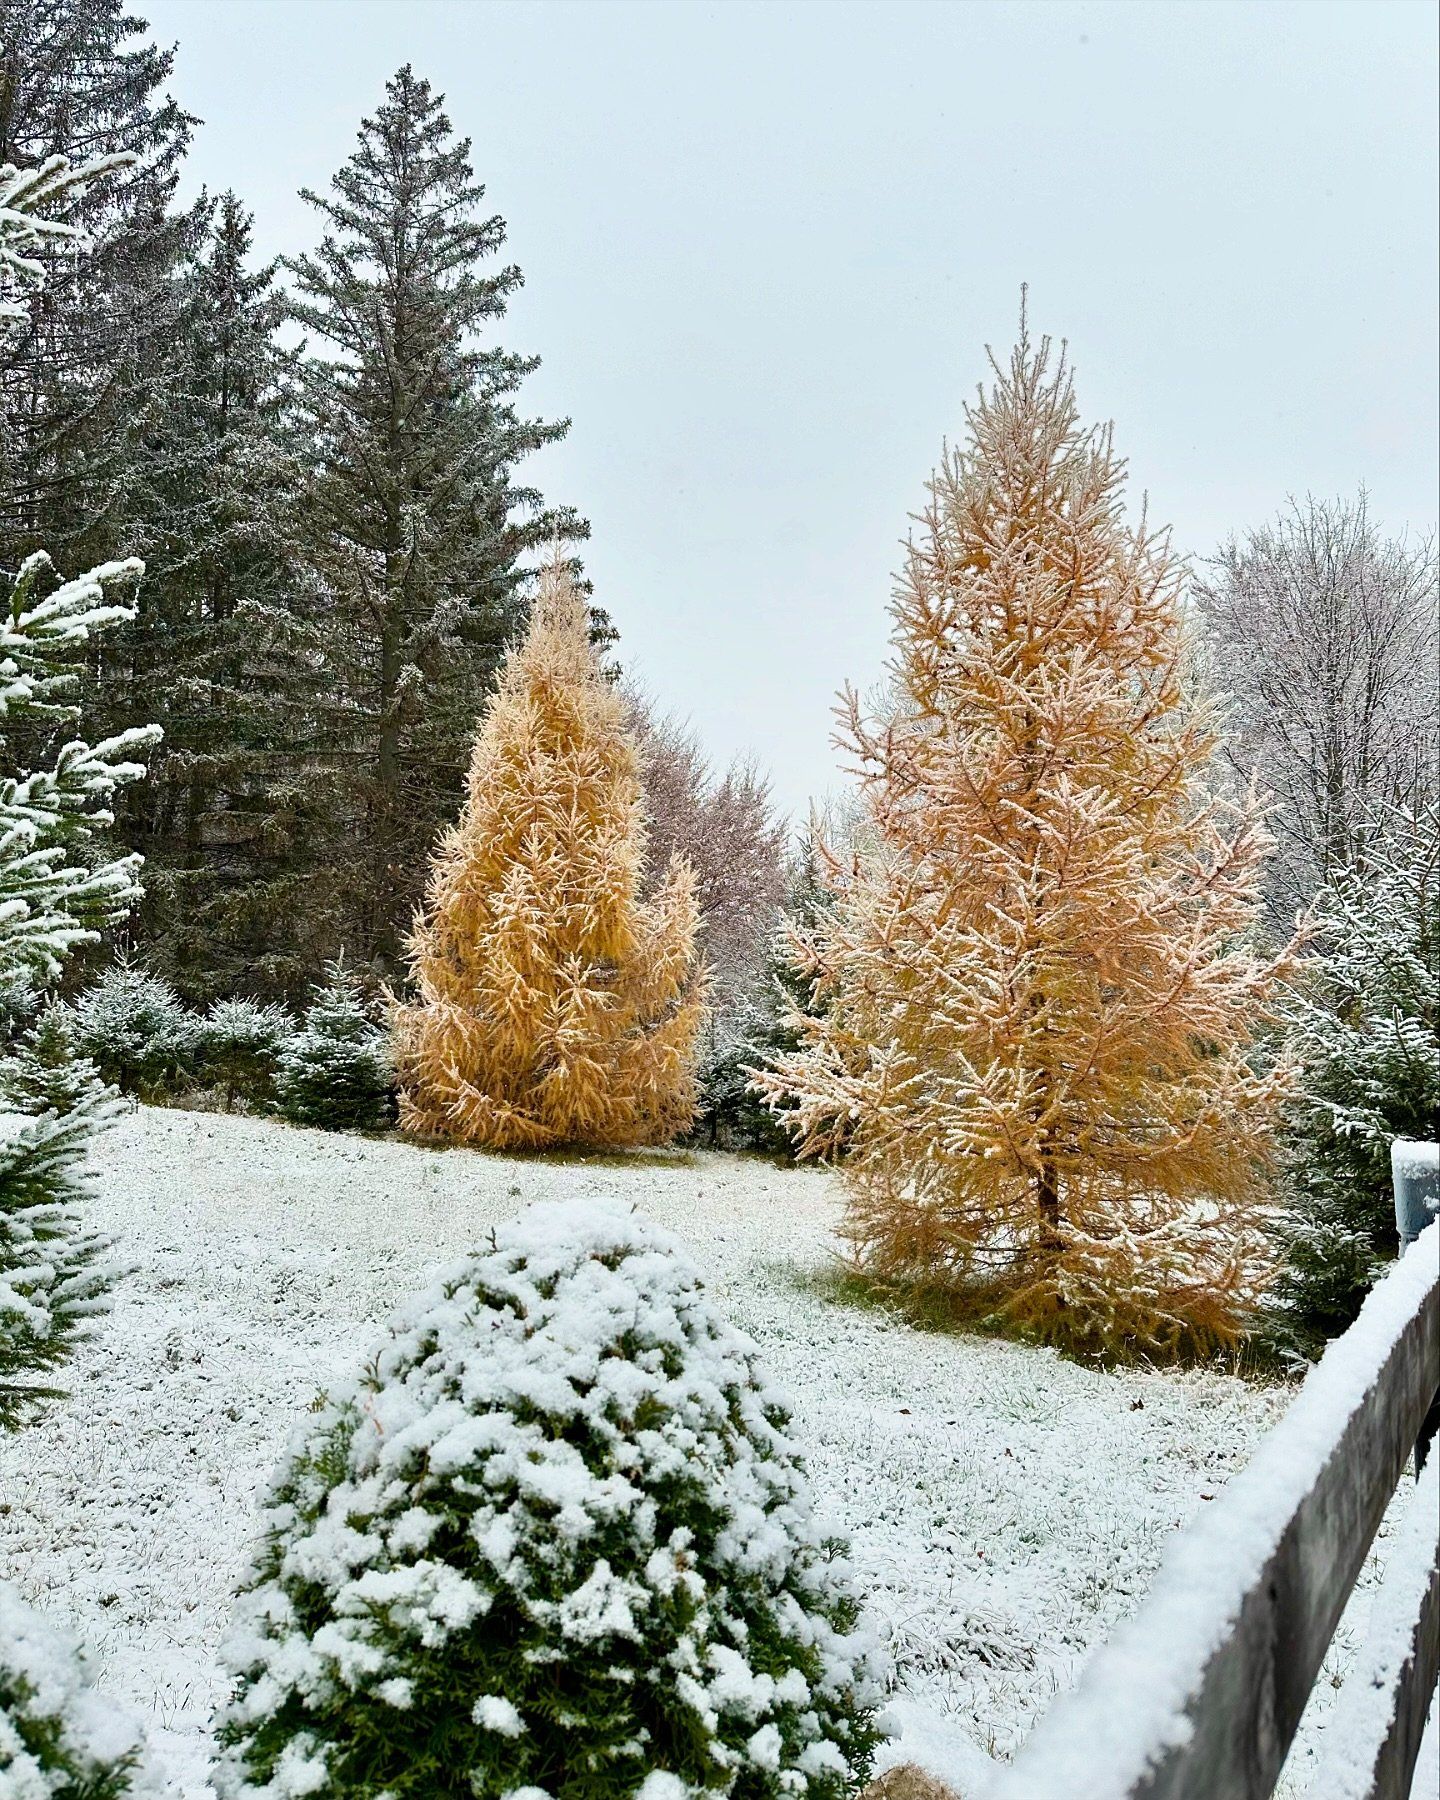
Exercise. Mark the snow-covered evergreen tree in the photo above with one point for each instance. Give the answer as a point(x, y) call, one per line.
point(1039, 1001)
point(56, 890)
point(335, 1070)
point(60, 1737)
point(416, 523)
point(223, 648)
point(97, 353)
point(239, 1048)
point(57, 887)
point(136, 1030)
point(1366, 1026)
point(786, 995)
point(555, 1541)
point(53, 1271)
point(554, 1004)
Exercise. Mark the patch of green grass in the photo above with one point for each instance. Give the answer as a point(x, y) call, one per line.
point(978, 1310)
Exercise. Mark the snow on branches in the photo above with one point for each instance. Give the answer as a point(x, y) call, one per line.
point(725, 828)
point(25, 197)
point(556, 1539)
point(59, 1736)
point(56, 889)
point(1365, 1027)
point(555, 1005)
point(1038, 1001)
point(51, 900)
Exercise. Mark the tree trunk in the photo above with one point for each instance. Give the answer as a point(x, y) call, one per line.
point(1052, 1238)
point(385, 819)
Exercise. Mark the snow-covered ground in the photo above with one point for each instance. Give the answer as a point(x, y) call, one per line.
point(1005, 1506)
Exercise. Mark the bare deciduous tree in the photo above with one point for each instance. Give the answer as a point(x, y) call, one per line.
point(726, 829)
point(1323, 631)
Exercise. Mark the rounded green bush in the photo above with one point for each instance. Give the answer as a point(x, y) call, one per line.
point(556, 1542)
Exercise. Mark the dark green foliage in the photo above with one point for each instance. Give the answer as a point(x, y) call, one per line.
point(141, 412)
point(57, 888)
point(732, 1116)
point(138, 1032)
point(335, 1071)
point(85, 379)
point(557, 1537)
point(239, 1048)
point(729, 1118)
point(53, 1271)
point(414, 523)
point(1367, 1029)
point(223, 650)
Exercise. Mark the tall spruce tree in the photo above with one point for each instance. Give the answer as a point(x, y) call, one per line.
point(224, 644)
point(416, 523)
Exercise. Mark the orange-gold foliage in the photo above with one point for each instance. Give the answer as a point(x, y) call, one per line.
point(554, 1007)
point(1038, 993)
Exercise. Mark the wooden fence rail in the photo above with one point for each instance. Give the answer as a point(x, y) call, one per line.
point(1198, 1696)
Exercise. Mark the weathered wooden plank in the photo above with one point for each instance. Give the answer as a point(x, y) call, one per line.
point(1415, 1693)
point(1198, 1696)
point(1375, 1730)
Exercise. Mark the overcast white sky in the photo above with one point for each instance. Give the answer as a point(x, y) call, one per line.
point(765, 246)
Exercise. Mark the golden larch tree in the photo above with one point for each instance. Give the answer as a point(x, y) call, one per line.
point(554, 1006)
point(1035, 993)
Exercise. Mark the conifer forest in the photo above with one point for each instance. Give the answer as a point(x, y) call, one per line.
point(538, 1259)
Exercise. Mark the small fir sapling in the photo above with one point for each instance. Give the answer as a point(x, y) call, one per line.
point(554, 1004)
point(56, 890)
point(789, 993)
point(335, 1071)
point(1365, 1024)
point(239, 1046)
point(556, 1540)
point(60, 1737)
point(137, 1031)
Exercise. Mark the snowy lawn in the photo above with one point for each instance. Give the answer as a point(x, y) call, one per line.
point(1005, 1506)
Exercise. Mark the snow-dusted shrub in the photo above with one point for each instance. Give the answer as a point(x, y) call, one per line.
point(137, 1031)
point(1365, 1024)
point(335, 1071)
point(239, 1046)
point(556, 1541)
point(60, 1739)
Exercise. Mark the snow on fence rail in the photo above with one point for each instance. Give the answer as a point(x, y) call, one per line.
point(1198, 1696)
